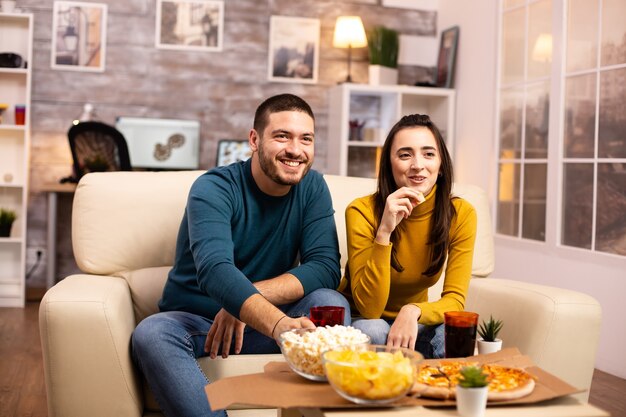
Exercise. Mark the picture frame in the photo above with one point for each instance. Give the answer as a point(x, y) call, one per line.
point(293, 49)
point(232, 150)
point(78, 36)
point(444, 75)
point(194, 25)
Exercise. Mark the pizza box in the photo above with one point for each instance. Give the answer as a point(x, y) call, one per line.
point(280, 387)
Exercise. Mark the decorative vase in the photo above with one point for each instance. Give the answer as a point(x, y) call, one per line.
point(489, 347)
point(381, 75)
point(471, 402)
point(5, 229)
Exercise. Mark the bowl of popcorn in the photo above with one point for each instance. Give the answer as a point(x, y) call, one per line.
point(303, 348)
point(371, 374)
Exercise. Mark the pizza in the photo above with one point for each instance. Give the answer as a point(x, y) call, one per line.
point(440, 381)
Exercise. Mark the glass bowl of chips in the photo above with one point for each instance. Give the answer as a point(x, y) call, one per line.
point(371, 374)
point(303, 348)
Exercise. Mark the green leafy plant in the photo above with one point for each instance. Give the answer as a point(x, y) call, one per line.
point(7, 216)
point(473, 377)
point(96, 164)
point(489, 330)
point(383, 45)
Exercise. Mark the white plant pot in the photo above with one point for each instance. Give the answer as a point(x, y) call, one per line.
point(380, 75)
point(471, 402)
point(489, 347)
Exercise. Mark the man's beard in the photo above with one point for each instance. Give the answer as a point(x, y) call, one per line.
point(268, 165)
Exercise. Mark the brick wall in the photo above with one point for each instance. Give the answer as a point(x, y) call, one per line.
point(220, 89)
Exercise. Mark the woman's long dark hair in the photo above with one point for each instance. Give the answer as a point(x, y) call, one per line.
point(439, 235)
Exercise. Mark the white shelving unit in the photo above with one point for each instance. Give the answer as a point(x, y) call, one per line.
point(377, 109)
point(16, 34)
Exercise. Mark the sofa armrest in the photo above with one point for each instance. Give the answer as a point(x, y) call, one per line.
point(559, 329)
point(85, 323)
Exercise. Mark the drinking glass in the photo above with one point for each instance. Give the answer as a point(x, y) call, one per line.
point(327, 315)
point(460, 333)
point(20, 114)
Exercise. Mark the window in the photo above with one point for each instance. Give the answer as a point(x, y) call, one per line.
point(587, 153)
point(593, 157)
point(524, 88)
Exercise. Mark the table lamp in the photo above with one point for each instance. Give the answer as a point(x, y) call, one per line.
point(349, 33)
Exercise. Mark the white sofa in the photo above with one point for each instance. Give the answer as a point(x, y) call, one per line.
point(124, 229)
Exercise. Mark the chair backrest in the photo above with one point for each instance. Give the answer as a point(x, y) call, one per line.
point(97, 147)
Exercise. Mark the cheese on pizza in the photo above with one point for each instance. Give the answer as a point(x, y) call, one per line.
point(440, 381)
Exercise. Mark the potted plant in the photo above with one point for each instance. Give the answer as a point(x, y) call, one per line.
point(471, 392)
point(383, 44)
point(488, 332)
point(7, 217)
point(97, 163)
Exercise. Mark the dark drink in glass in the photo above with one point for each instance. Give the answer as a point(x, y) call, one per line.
point(460, 333)
point(327, 315)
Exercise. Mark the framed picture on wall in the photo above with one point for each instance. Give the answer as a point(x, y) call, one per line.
point(444, 77)
point(293, 49)
point(232, 150)
point(78, 36)
point(190, 25)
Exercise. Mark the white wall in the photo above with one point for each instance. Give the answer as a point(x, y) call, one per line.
point(602, 277)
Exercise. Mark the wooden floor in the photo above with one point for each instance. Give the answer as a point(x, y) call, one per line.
point(23, 394)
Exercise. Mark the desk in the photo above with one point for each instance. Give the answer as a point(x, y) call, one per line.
point(559, 407)
point(53, 189)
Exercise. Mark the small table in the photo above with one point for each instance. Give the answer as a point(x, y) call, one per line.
point(559, 407)
point(52, 189)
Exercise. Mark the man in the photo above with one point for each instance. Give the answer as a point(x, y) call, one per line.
point(257, 247)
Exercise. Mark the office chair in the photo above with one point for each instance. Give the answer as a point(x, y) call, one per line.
point(97, 147)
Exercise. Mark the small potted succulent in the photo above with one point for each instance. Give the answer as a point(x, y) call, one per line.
point(488, 331)
point(7, 217)
point(471, 392)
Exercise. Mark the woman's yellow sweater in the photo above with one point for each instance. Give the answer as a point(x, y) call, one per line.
point(377, 290)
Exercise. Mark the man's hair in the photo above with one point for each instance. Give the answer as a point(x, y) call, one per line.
point(275, 104)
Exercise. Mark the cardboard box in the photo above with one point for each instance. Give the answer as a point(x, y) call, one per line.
point(279, 387)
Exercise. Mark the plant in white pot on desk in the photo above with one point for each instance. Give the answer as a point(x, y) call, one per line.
point(471, 392)
point(383, 45)
point(488, 331)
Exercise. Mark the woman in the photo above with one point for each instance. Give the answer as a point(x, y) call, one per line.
point(400, 237)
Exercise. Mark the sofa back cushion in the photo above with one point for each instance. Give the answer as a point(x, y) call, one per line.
point(125, 224)
point(128, 220)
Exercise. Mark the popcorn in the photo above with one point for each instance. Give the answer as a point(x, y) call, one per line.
point(303, 348)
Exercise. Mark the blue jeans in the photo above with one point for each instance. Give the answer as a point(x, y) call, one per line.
point(430, 339)
point(165, 347)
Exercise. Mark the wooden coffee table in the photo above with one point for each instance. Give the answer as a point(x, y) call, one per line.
point(560, 407)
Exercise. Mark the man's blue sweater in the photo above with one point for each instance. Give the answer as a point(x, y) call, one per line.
point(232, 234)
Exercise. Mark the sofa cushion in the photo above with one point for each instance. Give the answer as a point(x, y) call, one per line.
point(483, 263)
point(128, 220)
point(146, 287)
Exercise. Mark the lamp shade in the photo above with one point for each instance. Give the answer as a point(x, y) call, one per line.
point(542, 50)
point(349, 32)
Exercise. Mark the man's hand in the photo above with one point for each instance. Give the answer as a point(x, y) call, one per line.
point(403, 331)
point(287, 323)
point(221, 333)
